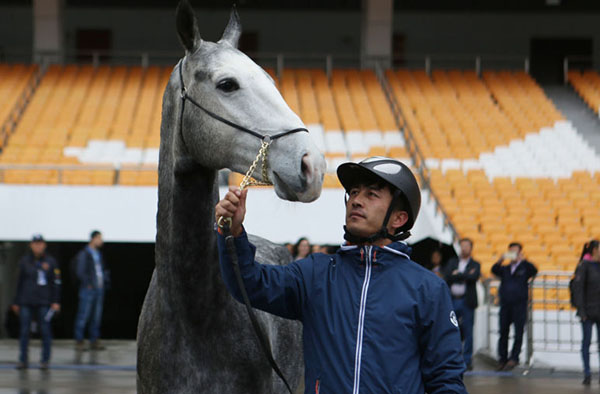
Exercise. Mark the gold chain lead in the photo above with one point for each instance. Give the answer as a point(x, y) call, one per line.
point(262, 156)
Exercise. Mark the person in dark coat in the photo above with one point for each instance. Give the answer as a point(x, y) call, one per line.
point(373, 320)
point(514, 297)
point(93, 280)
point(586, 298)
point(462, 275)
point(38, 295)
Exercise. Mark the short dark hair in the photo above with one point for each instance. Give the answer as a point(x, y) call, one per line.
point(94, 234)
point(517, 244)
point(466, 239)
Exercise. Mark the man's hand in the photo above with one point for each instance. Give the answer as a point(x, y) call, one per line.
point(56, 307)
point(233, 206)
point(15, 308)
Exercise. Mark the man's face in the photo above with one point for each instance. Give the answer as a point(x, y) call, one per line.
point(38, 247)
point(516, 251)
point(465, 248)
point(366, 209)
point(97, 241)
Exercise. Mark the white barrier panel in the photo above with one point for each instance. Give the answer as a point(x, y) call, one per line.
point(128, 214)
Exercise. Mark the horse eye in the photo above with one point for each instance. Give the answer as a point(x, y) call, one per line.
point(228, 85)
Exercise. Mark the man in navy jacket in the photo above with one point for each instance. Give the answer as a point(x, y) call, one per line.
point(93, 279)
point(462, 275)
point(38, 294)
point(514, 296)
point(374, 321)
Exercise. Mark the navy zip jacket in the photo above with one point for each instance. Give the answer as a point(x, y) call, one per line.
point(374, 321)
point(39, 281)
point(514, 288)
point(86, 270)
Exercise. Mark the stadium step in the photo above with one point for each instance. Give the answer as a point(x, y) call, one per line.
point(586, 122)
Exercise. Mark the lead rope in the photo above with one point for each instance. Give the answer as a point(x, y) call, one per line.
point(225, 225)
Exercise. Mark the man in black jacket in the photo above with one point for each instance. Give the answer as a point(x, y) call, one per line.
point(93, 279)
point(462, 275)
point(38, 294)
point(514, 296)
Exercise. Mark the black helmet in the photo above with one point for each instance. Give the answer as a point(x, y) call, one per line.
point(397, 175)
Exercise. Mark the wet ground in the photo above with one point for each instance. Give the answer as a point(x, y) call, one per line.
point(113, 371)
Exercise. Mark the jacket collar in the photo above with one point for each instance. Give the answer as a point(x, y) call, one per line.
point(398, 248)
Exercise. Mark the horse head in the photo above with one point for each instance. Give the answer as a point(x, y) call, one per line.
point(233, 106)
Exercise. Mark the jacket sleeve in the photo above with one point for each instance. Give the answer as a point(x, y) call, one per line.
point(579, 290)
point(497, 268)
point(448, 275)
point(20, 285)
point(55, 282)
point(277, 289)
point(472, 275)
point(80, 261)
point(442, 363)
point(532, 270)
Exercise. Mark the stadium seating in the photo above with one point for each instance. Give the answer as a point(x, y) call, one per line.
point(503, 162)
point(83, 115)
point(587, 85)
point(14, 81)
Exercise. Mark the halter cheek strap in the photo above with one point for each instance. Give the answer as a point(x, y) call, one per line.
point(185, 96)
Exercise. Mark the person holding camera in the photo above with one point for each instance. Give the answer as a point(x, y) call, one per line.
point(514, 296)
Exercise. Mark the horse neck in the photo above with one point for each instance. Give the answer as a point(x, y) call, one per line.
point(186, 256)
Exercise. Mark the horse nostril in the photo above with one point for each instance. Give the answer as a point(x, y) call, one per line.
point(305, 166)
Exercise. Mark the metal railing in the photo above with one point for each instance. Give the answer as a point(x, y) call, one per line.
point(15, 114)
point(413, 149)
point(61, 172)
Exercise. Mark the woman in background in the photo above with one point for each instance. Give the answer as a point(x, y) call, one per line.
point(301, 249)
point(435, 262)
point(586, 298)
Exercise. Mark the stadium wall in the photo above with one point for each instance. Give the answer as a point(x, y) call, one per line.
point(336, 32)
point(128, 214)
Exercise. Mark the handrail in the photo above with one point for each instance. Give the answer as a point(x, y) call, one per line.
point(60, 168)
point(15, 114)
point(413, 148)
point(318, 59)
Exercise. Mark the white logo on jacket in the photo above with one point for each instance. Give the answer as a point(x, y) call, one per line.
point(453, 318)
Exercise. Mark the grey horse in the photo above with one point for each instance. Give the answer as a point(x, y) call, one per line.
point(193, 337)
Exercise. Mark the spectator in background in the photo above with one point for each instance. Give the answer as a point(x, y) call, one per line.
point(462, 274)
point(435, 263)
point(514, 296)
point(586, 298)
point(38, 294)
point(301, 249)
point(290, 247)
point(93, 279)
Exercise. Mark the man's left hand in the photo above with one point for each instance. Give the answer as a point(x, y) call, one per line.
point(56, 307)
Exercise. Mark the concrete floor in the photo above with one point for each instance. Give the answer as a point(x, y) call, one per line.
point(113, 371)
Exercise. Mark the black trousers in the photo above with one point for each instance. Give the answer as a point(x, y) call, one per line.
point(511, 314)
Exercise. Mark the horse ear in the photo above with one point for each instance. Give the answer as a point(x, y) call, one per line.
point(233, 31)
point(187, 26)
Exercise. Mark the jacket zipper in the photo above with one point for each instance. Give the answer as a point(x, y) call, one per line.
point(361, 319)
